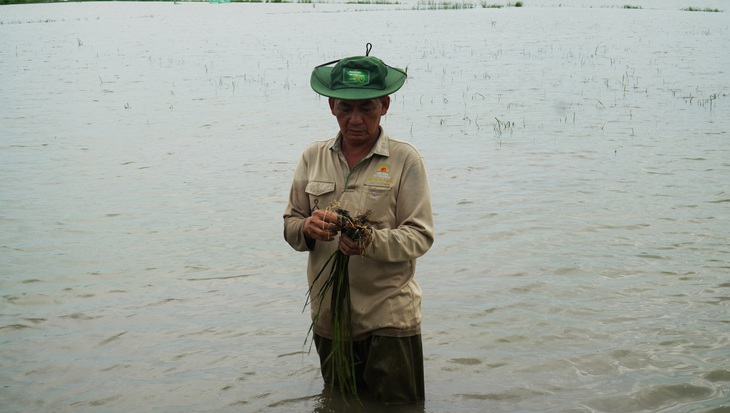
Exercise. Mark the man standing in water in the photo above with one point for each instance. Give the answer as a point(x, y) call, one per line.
point(363, 169)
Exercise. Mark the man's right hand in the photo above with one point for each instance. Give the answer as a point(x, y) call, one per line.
point(321, 226)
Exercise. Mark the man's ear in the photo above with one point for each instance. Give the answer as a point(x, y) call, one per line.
point(385, 102)
point(332, 105)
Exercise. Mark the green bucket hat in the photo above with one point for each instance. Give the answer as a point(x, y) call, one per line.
point(357, 78)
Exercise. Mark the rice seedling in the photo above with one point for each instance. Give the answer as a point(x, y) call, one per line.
point(709, 102)
point(337, 285)
point(500, 126)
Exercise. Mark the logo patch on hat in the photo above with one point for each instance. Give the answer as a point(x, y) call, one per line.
point(355, 76)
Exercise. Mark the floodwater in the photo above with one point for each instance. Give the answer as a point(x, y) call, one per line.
point(579, 160)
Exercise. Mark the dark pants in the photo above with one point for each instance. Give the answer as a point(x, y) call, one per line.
point(391, 368)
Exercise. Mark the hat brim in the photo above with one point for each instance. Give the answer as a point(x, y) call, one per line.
point(321, 83)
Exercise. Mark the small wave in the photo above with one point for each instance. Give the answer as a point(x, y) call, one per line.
point(226, 277)
point(14, 327)
point(466, 361)
point(718, 376)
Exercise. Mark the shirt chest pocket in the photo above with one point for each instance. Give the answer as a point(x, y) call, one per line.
point(377, 192)
point(320, 194)
point(380, 200)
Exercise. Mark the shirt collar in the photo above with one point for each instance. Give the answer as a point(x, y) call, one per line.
point(382, 145)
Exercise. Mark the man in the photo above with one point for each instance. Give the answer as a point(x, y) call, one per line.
point(363, 169)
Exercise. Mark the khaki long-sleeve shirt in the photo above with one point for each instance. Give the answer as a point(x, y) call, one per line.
point(391, 182)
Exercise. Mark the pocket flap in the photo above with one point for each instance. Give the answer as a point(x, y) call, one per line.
point(318, 188)
point(381, 186)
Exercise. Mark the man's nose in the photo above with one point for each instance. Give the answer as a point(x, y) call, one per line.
point(356, 117)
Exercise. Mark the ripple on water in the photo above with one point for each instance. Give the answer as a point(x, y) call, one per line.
point(654, 398)
point(718, 376)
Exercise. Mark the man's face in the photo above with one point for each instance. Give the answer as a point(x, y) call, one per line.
point(359, 119)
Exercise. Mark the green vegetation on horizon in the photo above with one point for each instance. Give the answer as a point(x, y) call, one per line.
point(3, 2)
point(369, 2)
point(422, 4)
point(452, 5)
point(499, 6)
point(707, 9)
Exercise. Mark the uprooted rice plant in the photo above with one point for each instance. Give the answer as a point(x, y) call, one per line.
point(337, 284)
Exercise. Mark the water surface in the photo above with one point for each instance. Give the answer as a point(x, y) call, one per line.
point(578, 159)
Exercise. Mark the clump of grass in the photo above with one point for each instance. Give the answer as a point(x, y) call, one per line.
point(706, 9)
point(337, 284)
point(486, 5)
point(500, 126)
point(443, 5)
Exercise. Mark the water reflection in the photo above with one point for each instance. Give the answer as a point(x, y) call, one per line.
point(332, 401)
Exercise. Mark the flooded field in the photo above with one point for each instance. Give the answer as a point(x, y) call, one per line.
point(580, 170)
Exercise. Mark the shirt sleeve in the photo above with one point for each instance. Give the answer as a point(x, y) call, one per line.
point(413, 235)
point(298, 209)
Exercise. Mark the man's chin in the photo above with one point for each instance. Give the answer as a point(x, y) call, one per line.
point(357, 134)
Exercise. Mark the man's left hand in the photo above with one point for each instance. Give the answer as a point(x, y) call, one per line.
point(350, 247)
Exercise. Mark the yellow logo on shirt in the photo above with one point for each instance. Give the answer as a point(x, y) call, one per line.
point(381, 176)
point(383, 172)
